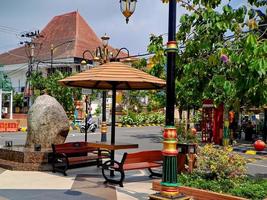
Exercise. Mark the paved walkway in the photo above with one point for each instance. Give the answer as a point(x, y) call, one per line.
point(80, 184)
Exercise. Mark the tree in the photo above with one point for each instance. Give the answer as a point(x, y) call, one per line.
point(64, 95)
point(222, 56)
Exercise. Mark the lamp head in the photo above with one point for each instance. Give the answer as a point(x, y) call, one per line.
point(96, 59)
point(127, 8)
point(105, 40)
point(83, 62)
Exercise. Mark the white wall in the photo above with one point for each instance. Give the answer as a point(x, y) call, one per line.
point(17, 74)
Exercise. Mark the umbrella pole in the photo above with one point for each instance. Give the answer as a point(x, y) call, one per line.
point(104, 119)
point(113, 121)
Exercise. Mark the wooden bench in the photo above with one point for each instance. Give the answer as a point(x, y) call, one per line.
point(113, 171)
point(75, 153)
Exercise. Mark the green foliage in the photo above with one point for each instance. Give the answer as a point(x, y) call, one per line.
point(156, 99)
point(5, 82)
point(64, 95)
point(242, 187)
point(156, 46)
point(140, 64)
point(97, 111)
point(185, 136)
point(252, 189)
point(38, 81)
point(18, 100)
point(220, 163)
point(138, 119)
point(222, 54)
point(132, 99)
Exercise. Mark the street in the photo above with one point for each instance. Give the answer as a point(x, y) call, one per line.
point(145, 137)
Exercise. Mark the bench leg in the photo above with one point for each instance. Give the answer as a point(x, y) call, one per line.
point(63, 169)
point(108, 173)
point(154, 173)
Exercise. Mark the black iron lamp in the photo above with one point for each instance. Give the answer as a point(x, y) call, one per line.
point(102, 55)
point(127, 8)
point(95, 58)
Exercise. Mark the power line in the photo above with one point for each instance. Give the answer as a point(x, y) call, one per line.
point(8, 27)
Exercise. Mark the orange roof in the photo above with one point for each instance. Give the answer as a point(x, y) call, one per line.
point(104, 76)
point(61, 29)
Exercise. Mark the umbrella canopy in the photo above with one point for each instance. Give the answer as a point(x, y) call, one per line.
point(104, 76)
point(114, 76)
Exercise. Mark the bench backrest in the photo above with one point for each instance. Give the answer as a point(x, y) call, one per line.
point(72, 148)
point(143, 156)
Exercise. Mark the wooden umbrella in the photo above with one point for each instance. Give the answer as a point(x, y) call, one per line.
point(114, 73)
point(114, 76)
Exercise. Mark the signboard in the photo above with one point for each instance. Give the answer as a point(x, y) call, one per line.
point(86, 91)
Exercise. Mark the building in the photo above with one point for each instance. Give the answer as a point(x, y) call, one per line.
point(61, 47)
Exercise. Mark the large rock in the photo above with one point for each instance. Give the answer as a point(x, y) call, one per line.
point(47, 123)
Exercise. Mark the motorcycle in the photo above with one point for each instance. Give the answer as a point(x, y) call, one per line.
point(90, 127)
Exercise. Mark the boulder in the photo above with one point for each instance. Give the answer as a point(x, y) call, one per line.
point(47, 123)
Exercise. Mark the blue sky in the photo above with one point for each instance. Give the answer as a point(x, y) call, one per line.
point(151, 16)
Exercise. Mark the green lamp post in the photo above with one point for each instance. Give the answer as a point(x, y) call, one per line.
point(169, 183)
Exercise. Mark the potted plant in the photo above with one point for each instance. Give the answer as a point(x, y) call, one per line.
point(187, 145)
point(18, 101)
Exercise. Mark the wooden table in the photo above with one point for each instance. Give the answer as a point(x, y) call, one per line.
point(116, 146)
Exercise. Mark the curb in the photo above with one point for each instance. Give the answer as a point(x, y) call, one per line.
point(249, 151)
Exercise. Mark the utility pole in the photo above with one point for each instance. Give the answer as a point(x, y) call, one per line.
point(29, 49)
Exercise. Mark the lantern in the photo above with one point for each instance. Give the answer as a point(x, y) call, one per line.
point(127, 8)
point(105, 40)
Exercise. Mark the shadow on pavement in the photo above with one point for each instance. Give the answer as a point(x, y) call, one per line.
point(155, 138)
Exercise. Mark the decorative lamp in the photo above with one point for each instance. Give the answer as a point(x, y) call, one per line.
point(105, 40)
point(127, 8)
point(83, 63)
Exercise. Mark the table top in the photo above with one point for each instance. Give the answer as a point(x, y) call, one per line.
point(109, 146)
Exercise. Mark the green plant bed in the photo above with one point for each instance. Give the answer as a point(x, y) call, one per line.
point(244, 187)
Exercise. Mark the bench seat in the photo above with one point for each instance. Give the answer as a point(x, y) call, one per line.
point(74, 153)
point(141, 165)
point(73, 160)
point(131, 161)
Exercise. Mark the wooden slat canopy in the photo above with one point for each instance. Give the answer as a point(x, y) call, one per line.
point(103, 77)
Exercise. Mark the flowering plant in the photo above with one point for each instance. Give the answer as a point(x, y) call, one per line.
point(220, 163)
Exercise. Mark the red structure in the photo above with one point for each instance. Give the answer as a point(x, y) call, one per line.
point(212, 122)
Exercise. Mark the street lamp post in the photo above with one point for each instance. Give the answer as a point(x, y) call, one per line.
point(169, 184)
point(102, 55)
point(52, 48)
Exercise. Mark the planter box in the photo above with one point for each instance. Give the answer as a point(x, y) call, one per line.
point(198, 194)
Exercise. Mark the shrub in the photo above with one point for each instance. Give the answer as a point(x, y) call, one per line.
point(243, 187)
point(133, 118)
point(185, 136)
point(252, 189)
point(220, 163)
